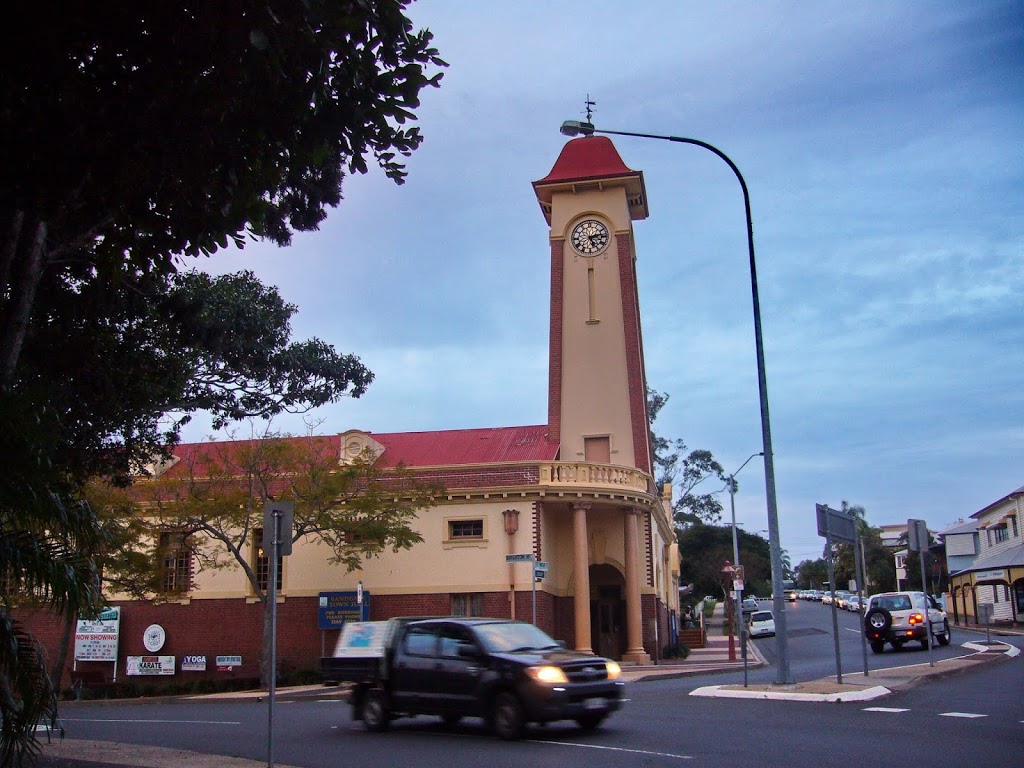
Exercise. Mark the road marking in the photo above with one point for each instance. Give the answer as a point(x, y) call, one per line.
point(885, 709)
point(960, 714)
point(612, 749)
point(161, 722)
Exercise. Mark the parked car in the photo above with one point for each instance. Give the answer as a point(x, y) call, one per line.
point(762, 624)
point(749, 605)
point(852, 603)
point(899, 617)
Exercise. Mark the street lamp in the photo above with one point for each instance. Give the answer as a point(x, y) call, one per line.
point(736, 560)
point(577, 128)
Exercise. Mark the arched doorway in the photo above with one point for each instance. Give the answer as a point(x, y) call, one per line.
point(607, 611)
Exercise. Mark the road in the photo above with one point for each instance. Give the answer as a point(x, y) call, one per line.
point(970, 719)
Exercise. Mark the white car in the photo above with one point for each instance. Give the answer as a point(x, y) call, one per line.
point(762, 624)
point(899, 617)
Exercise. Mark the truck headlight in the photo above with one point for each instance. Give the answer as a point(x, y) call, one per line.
point(547, 674)
point(614, 670)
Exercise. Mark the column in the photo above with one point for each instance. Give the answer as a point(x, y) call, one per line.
point(581, 566)
point(634, 613)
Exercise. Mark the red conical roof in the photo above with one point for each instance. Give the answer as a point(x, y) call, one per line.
point(589, 157)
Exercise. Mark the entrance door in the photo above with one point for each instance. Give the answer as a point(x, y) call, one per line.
point(607, 612)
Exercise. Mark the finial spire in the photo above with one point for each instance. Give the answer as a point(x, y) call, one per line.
point(590, 112)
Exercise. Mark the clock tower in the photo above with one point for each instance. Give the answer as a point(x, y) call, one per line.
point(597, 392)
point(597, 396)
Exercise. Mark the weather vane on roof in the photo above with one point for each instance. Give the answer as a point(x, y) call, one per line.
point(590, 111)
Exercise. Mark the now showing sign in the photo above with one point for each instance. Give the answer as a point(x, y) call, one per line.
point(150, 665)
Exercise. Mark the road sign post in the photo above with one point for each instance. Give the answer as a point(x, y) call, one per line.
point(529, 557)
point(278, 519)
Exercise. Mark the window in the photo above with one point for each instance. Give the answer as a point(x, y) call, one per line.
point(465, 529)
point(597, 450)
point(262, 564)
point(451, 637)
point(1000, 532)
point(1016, 532)
point(469, 604)
point(420, 641)
point(176, 562)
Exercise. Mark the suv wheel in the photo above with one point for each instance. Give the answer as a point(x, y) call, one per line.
point(944, 637)
point(877, 646)
point(878, 620)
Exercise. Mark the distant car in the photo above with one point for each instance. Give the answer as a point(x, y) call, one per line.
point(826, 598)
point(852, 604)
point(749, 605)
point(762, 624)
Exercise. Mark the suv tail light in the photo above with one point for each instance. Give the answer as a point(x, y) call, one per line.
point(916, 618)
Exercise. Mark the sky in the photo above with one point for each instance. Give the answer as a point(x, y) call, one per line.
point(883, 148)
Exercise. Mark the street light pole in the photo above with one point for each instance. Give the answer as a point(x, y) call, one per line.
point(783, 676)
point(736, 561)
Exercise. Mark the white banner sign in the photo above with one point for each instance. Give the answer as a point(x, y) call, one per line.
point(150, 665)
point(193, 663)
point(96, 639)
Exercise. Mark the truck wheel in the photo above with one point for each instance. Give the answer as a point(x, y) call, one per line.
point(509, 722)
point(877, 646)
point(590, 722)
point(375, 711)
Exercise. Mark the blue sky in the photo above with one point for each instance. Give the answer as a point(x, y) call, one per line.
point(882, 146)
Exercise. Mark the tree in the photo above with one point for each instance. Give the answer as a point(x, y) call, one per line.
point(43, 538)
point(686, 471)
point(812, 574)
point(172, 128)
point(136, 135)
point(703, 550)
point(212, 502)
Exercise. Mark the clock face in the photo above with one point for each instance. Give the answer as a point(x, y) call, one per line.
point(589, 237)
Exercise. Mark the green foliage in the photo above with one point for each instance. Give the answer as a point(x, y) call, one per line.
point(686, 472)
point(704, 549)
point(136, 135)
point(677, 651)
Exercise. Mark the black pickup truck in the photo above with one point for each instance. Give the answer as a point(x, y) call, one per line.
point(509, 673)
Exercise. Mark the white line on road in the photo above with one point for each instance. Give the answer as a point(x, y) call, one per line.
point(612, 749)
point(885, 709)
point(960, 714)
point(162, 722)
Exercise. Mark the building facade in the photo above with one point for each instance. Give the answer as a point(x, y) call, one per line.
point(995, 577)
point(577, 492)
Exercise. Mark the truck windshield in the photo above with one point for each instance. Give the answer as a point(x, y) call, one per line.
point(503, 637)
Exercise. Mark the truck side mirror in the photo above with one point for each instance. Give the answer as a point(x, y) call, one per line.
point(468, 651)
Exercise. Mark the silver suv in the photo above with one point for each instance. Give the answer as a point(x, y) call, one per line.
point(899, 617)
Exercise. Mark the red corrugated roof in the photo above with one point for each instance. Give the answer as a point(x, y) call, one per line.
point(418, 449)
point(467, 446)
point(590, 157)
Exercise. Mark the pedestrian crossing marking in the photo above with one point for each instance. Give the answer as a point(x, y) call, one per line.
point(885, 709)
point(969, 715)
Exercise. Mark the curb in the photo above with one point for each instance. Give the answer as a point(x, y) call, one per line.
point(721, 692)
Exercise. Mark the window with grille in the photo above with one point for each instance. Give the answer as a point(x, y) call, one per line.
point(262, 564)
point(465, 529)
point(468, 604)
point(177, 562)
point(1000, 533)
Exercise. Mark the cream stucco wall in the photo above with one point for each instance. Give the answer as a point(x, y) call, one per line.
point(595, 389)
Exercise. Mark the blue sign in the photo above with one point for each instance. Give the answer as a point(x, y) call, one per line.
point(336, 608)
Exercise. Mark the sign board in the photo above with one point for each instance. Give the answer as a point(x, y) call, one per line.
point(286, 513)
point(337, 608)
point(737, 585)
point(150, 665)
point(524, 557)
point(839, 526)
point(999, 575)
point(540, 565)
point(193, 663)
point(364, 638)
point(917, 535)
point(96, 639)
point(985, 611)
